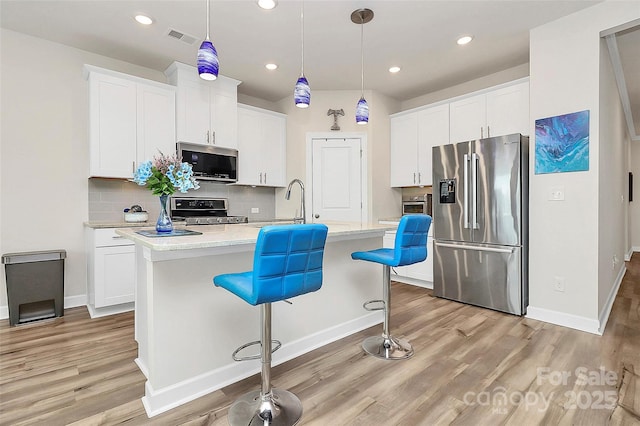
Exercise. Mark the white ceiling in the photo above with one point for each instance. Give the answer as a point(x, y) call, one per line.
point(419, 36)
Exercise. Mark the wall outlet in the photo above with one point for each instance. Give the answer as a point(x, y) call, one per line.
point(558, 284)
point(255, 210)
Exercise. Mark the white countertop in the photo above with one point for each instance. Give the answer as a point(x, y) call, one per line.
point(239, 234)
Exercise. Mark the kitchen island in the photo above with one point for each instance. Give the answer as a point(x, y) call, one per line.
point(187, 328)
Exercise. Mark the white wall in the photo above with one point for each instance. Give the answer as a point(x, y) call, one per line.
point(44, 151)
point(564, 235)
point(634, 206)
point(480, 83)
point(612, 183)
point(383, 201)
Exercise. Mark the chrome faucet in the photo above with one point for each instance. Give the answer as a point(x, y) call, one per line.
point(288, 195)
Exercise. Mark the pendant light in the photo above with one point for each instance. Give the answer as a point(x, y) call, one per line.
point(361, 17)
point(208, 56)
point(302, 91)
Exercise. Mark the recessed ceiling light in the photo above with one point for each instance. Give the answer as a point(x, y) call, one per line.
point(267, 4)
point(144, 20)
point(464, 40)
point(271, 67)
point(394, 70)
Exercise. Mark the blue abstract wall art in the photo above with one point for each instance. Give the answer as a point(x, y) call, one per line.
point(562, 143)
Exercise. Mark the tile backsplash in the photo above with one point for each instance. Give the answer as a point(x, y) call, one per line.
point(109, 197)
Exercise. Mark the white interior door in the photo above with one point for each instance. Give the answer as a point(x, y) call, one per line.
point(337, 180)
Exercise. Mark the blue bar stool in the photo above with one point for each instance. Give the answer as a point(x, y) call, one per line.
point(410, 247)
point(287, 262)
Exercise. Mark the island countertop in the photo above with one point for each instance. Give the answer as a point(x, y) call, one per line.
point(240, 234)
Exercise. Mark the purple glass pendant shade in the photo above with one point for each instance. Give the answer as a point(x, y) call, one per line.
point(362, 111)
point(208, 61)
point(302, 93)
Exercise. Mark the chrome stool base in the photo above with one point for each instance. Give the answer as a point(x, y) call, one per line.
point(280, 408)
point(387, 348)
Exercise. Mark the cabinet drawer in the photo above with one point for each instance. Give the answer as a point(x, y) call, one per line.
point(107, 237)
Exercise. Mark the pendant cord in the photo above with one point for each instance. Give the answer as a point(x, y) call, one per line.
point(208, 19)
point(302, 37)
point(361, 55)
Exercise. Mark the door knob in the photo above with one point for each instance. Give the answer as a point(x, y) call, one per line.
point(316, 215)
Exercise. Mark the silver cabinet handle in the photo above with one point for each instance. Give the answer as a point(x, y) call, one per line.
point(477, 248)
point(414, 177)
point(133, 166)
point(488, 132)
point(207, 137)
point(316, 215)
point(260, 177)
point(117, 237)
point(465, 204)
point(419, 177)
point(474, 191)
point(265, 177)
point(213, 132)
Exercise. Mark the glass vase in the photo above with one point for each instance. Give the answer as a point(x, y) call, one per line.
point(164, 225)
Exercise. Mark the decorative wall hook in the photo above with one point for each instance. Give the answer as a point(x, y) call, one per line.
point(335, 113)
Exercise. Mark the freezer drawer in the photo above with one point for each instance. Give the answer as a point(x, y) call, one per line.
point(482, 275)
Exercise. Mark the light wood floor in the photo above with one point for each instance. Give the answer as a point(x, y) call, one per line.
point(74, 370)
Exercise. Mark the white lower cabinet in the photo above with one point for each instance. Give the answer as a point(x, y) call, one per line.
point(110, 272)
point(420, 274)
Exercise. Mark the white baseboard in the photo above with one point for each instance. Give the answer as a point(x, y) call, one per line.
point(566, 320)
point(157, 401)
point(412, 281)
point(606, 309)
point(627, 256)
point(109, 310)
point(69, 302)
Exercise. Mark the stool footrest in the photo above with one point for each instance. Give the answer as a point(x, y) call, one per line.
point(367, 305)
point(276, 344)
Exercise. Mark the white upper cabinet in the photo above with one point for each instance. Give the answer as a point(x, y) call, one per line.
point(130, 119)
point(494, 113)
point(412, 137)
point(206, 111)
point(261, 147)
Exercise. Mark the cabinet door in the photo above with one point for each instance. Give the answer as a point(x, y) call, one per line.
point(249, 147)
point(274, 168)
point(193, 112)
point(156, 122)
point(404, 150)
point(433, 130)
point(224, 119)
point(467, 119)
point(115, 273)
point(508, 110)
point(112, 138)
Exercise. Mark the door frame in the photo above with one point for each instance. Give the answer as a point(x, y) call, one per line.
point(364, 183)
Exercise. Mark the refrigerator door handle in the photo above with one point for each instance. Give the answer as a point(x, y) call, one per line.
point(474, 191)
point(477, 248)
point(465, 206)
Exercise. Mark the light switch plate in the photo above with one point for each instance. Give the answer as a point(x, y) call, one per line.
point(255, 210)
point(556, 193)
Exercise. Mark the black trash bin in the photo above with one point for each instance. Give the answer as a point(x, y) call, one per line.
point(35, 285)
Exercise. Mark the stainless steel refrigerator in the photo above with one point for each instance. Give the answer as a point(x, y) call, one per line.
point(480, 220)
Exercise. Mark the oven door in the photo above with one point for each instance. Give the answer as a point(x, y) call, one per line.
point(414, 207)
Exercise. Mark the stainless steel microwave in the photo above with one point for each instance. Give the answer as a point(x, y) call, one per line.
point(209, 162)
point(420, 204)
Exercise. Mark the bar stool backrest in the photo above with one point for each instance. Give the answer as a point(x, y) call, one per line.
point(288, 261)
point(411, 239)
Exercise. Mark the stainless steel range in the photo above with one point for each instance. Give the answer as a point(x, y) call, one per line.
point(202, 211)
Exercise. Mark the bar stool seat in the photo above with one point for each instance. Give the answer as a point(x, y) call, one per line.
point(287, 262)
point(410, 247)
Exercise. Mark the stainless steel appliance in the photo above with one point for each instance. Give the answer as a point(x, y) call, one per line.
point(210, 162)
point(421, 204)
point(481, 222)
point(202, 211)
